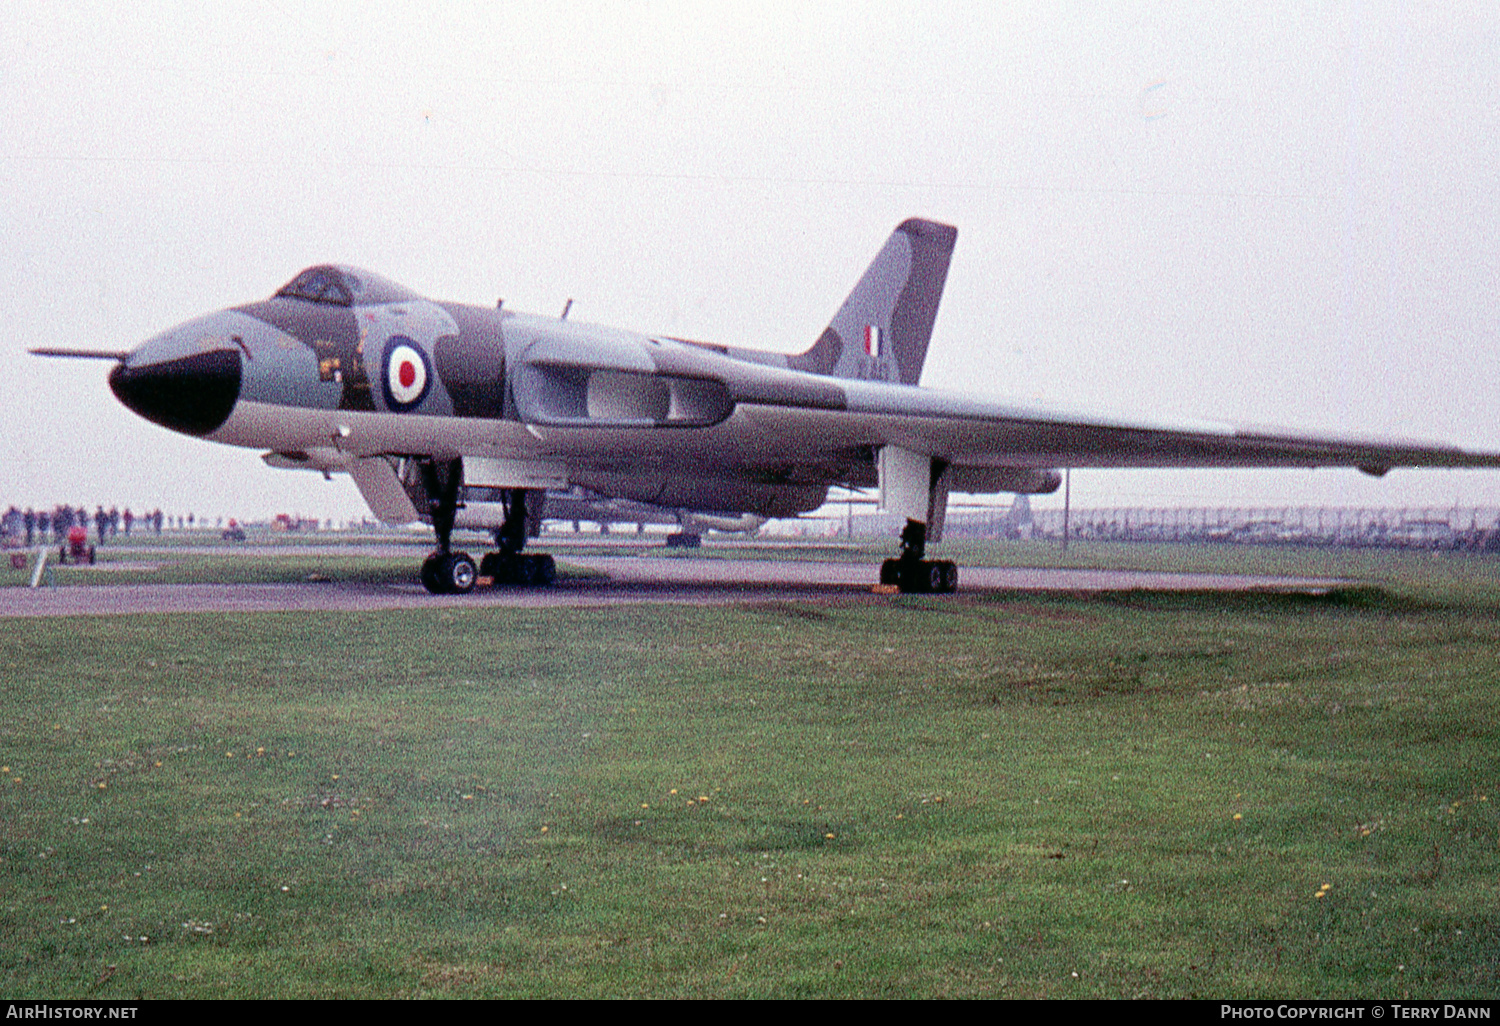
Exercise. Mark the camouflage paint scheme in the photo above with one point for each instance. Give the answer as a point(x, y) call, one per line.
point(343, 370)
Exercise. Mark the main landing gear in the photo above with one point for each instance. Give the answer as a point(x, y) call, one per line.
point(446, 572)
point(508, 565)
point(912, 573)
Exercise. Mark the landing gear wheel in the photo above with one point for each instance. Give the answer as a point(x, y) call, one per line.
point(432, 577)
point(461, 574)
point(523, 571)
point(934, 577)
point(922, 577)
point(451, 574)
point(546, 571)
point(913, 580)
point(949, 576)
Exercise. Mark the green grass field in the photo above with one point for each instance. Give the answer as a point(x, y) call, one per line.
point(1067, 796)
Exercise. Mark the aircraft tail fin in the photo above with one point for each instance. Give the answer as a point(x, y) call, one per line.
point(882, 330)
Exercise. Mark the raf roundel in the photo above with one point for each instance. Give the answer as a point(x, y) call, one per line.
point(407, 375)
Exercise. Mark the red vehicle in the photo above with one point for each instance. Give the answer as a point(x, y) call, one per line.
point(77, 548)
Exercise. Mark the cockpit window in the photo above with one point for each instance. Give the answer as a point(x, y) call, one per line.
point(338, 285)
point(320, 285)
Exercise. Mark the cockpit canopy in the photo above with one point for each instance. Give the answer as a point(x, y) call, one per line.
point(341, 285)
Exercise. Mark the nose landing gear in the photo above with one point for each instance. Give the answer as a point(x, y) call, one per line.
point(445, 572)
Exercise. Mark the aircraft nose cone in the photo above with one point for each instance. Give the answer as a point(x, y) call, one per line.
point(192, 394)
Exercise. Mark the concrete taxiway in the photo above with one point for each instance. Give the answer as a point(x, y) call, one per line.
point(621, 580)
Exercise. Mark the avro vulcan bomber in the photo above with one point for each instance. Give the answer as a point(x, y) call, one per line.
point(424, 402)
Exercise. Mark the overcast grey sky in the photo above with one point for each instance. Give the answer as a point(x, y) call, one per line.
point(1273, 213)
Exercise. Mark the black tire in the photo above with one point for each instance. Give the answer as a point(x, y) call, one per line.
point(950, 576)
point(493, 567)
point(546, 571)
point(933, 578)
point(460, 573)
point(524, 571)
point(913, 578)
point(890, 572)
point(432, 576)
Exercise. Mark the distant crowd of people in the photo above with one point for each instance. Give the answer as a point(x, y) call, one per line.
point(32, 526)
